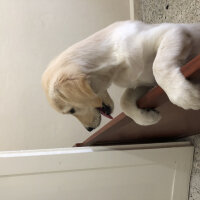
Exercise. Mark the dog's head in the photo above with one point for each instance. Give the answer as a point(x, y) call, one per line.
point(69, 92)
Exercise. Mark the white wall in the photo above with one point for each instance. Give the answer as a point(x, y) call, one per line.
point(32, 32)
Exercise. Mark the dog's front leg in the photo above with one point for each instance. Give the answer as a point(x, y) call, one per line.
point(173, 51)
point(129, 107)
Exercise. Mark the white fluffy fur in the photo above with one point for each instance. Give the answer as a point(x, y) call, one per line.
point(135, 55)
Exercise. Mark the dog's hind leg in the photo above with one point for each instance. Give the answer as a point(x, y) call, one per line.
point(173, 51)
point(129, 107)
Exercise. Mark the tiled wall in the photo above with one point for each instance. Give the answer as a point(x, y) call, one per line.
point(177, 11)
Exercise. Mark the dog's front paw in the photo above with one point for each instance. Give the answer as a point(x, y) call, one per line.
point(140, 116)
point(147, 117)
point(187, 97)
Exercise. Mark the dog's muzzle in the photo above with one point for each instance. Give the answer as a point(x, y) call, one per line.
point(105, 111)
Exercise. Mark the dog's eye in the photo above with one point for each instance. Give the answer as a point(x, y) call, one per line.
point(72, 111)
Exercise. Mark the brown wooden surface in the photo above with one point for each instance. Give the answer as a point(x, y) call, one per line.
point(175, 123)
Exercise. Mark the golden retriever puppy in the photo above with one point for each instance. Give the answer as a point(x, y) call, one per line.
point(130, 54)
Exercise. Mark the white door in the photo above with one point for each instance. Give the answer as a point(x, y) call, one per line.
point(111, 173)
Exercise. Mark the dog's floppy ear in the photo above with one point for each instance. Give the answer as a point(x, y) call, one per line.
point(75, 88)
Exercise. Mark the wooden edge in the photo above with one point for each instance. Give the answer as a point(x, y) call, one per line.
point(152, 99)
point(117, 122)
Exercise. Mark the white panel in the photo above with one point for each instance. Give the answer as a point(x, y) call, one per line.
point(149, 174)
point(33, 32)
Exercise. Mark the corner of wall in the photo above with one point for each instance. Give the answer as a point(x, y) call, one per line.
point(135, 9)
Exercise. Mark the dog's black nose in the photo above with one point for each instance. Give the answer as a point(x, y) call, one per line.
point(90, 129)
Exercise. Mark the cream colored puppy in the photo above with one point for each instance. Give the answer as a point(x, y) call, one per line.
point(132, 55)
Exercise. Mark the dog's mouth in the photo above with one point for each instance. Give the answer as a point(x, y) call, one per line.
point(105, 111)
